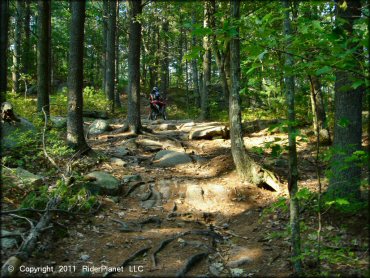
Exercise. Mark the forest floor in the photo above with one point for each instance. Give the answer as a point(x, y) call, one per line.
point(244, 234)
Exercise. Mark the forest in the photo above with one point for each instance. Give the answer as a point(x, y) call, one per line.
point(185, 138)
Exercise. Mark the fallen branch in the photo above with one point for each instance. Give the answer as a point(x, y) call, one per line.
point(192, 261)
point(128, 260)
point(11, 266)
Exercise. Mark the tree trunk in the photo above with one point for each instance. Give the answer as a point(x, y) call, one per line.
point(104, 55)
point(111, 36)
point(346, 176)
point(209, 6)
point(293, 171)
point(75, 131)
point(165, 61)
point(116, 61)
point(17, 46)
point(43, 57)
point(318, 110)
point(133, 111)
point(26, 57)
point(194, 67)
point(4, 24)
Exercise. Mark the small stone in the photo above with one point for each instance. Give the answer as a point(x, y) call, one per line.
point(84, 257)
point(130, 178)
point(117, 162)
point(98, 127)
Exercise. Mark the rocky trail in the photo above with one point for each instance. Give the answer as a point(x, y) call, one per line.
point(172, 197)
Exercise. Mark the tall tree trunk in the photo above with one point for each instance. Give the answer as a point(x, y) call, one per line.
point(133, 114)
point(165, 60)
point(346, 176)
point(318, 110)
point(116, 60)
point(75, 131)
point(43, 57)
point(26, 53)
point(111, 38)
point(194, 67)
point(293, 171)
point(4, 24)
point(17, 46)
point(209, 6)
point(104, 54)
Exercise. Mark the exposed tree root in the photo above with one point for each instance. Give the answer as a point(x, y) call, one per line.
point(192, 261)
point(133, 187)
point(128, 260)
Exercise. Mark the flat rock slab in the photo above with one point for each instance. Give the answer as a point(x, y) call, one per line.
point(120, 152)
point(208, 132)
point(168, 158)
point(7, 242)
point(11, 133)
point(26, 177)
point(104, 183)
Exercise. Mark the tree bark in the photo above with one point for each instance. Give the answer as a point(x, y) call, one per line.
point(4, 24)
point(111, 36)
point(104, 55)
point(75, 131)
point(318, 110)
point(133, 114)
point(293, 171)
point(43, 57)
point(194, 67)
point(164, 56)
point(26, 53)
point(346, 176)
point(17, 46)
point(116, 60)
point(209, 6)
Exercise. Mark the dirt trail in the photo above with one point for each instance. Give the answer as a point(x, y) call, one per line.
point(203, 194)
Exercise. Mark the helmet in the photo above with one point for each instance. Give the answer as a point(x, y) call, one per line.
point(155, 89)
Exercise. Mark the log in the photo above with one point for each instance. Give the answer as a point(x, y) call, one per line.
point(11, 266)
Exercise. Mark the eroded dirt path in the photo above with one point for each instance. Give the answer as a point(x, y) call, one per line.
point(204, 194)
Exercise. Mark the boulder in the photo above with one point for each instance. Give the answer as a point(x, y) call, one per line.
point(98, 127)
point(26, 177)
point(12, 131)
point(7, 242)
point(120, 152)
point(209, 132)
point(150, 145)
point(167, 158)
point(58, 122)
point(103, 183)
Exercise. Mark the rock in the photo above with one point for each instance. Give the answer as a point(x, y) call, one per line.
point(153, 200)
point(150, 145)
point(167, 127)
point(117, 162)
point(187, 126)
point(26, 177)
point(58, 122)
point(12, 131)
point(98, 127)
point(208, 132)
point(240, 256)
point(130, 144)
point(84, 257)
point(130, 178)
point(216, 269)
point(8, 242)
point(167, 158)
point(120, 151)
point(104, 183)
point(236, 272)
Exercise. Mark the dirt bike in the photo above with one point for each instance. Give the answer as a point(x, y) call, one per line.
point(157, 108)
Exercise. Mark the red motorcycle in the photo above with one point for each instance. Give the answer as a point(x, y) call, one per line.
point(157, 108)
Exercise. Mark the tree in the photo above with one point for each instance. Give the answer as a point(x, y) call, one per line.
point(346, 175)
point(75, 131)
point(133, 111)
point(117, 100)
point(111, 46)
point(292, 131)
point(26, 53)
point(43, 57)
point(17, 52)
point(105, 32)
point(209, 6)
point(4, 21)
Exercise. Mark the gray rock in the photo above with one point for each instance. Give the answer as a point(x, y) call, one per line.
point(154, 200)
point(98, 127)
point(25, 176)
point(208, 132)
point(104, 183)
point(150, 145)
point(216, 269)
point(58, 122)
point(117, 162)
point(120, 151)
point(130, 178)
point(84, 257)
point(7, 242)
point(12, 131)
point(167, 158)
point(240, 256)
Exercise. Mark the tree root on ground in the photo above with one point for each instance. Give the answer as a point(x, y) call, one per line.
point(128, 260)
point(192, 261)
